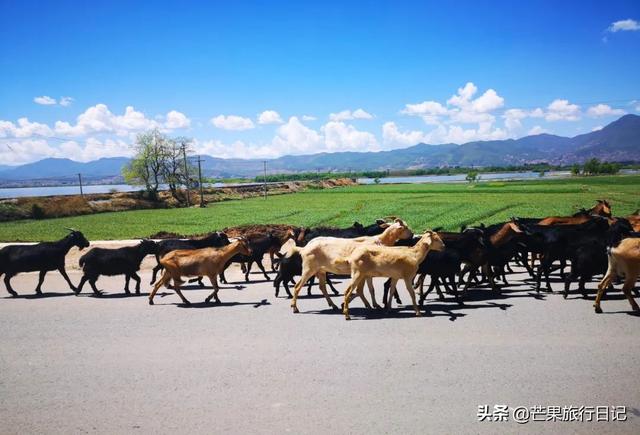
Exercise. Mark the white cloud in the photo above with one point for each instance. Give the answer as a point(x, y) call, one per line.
point(96, 119)
point(23, 129)
point(347, 115)
point(562, 110)
point(66, 101)
point(308, 118)
point(513, 118)
point(27, 150)
point(429, 108)
point(177, 120)
point(536, 130)
point(624, 25)
point(340, 136)
point(296, 138)
point(597, 128)
point(269, 117)
point(45, 100)
point(603, 110)
point(237, 149)
point(232, 122)
point(391, 135)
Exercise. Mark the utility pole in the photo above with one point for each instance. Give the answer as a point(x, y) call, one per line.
point(264, 162)
point(80, 180)
point(186, 171)
point(200, 181)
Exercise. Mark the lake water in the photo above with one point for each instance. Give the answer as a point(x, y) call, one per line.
point(458, 178)
point(19, 192)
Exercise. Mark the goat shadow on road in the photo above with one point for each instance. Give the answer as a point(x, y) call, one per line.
point(203, 304)
point(43, 295)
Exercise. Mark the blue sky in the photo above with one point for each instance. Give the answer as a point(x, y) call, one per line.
point(432, 72)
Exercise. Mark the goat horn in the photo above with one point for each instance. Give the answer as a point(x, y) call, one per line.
point(69, 229)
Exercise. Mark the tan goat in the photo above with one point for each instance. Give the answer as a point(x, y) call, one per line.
point(624, 259)
point(207, 262)
point(320, 257)
point(397, 263)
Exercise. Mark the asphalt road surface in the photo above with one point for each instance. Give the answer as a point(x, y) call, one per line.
point(117, 365)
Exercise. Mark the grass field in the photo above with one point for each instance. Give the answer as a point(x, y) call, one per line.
point(422, 205)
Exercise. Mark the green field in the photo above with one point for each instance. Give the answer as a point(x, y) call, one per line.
point(421, 205)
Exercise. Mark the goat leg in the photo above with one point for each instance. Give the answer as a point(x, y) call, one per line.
point(7, 283)
point(63, 272)
point(82, 281)
point(136, 278)
point(127, 278)
point(264, 272)
point(40, 280)
point(92, 283)
point(333, 289)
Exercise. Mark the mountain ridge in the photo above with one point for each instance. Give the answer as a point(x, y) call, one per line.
point(618, 141)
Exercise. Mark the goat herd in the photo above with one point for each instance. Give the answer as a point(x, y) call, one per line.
point(592, 241)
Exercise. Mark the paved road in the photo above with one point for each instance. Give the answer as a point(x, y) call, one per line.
point(117, 365)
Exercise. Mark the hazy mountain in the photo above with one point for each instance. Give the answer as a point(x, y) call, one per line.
point(618, 141)
point(65, 168)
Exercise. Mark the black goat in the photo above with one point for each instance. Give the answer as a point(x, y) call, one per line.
point(588, 254)
point(555, 242)
point(213, 240)
point(110, 262)
point(356, 230)
point(259, 245)
point(41, 257)
point(289, 268)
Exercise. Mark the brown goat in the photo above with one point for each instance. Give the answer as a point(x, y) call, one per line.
point(602, 208)
point(208, 262)
point(395, 262)
point(320, 257)
point(624, 259)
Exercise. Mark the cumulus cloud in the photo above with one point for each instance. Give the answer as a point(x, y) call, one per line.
point(21, 151)
point(66, 101)
point(232, 122)
point(562, 110)
point(603, 110)
point(347, 115)
point(95, 120)
point(269, 117)
point(45, 100)
point(460, 108)
point(536, 130)
point(340, 136)
point(236, 149)
point(624, 25)
point(513, 118)
point(177, 120)
point(296, 138)
point(391, 135)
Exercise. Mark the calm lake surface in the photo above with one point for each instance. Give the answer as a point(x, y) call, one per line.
point(19, 192)
point(461, 177)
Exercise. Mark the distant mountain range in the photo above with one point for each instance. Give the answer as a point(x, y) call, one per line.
point(618, 141)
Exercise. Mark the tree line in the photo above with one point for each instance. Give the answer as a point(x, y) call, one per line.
point(160, 160)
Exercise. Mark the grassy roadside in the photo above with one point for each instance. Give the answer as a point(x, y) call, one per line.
point(422, 205)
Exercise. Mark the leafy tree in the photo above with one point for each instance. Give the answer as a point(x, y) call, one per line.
point(472, 176)
point(158, 159)
point(575, 169)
